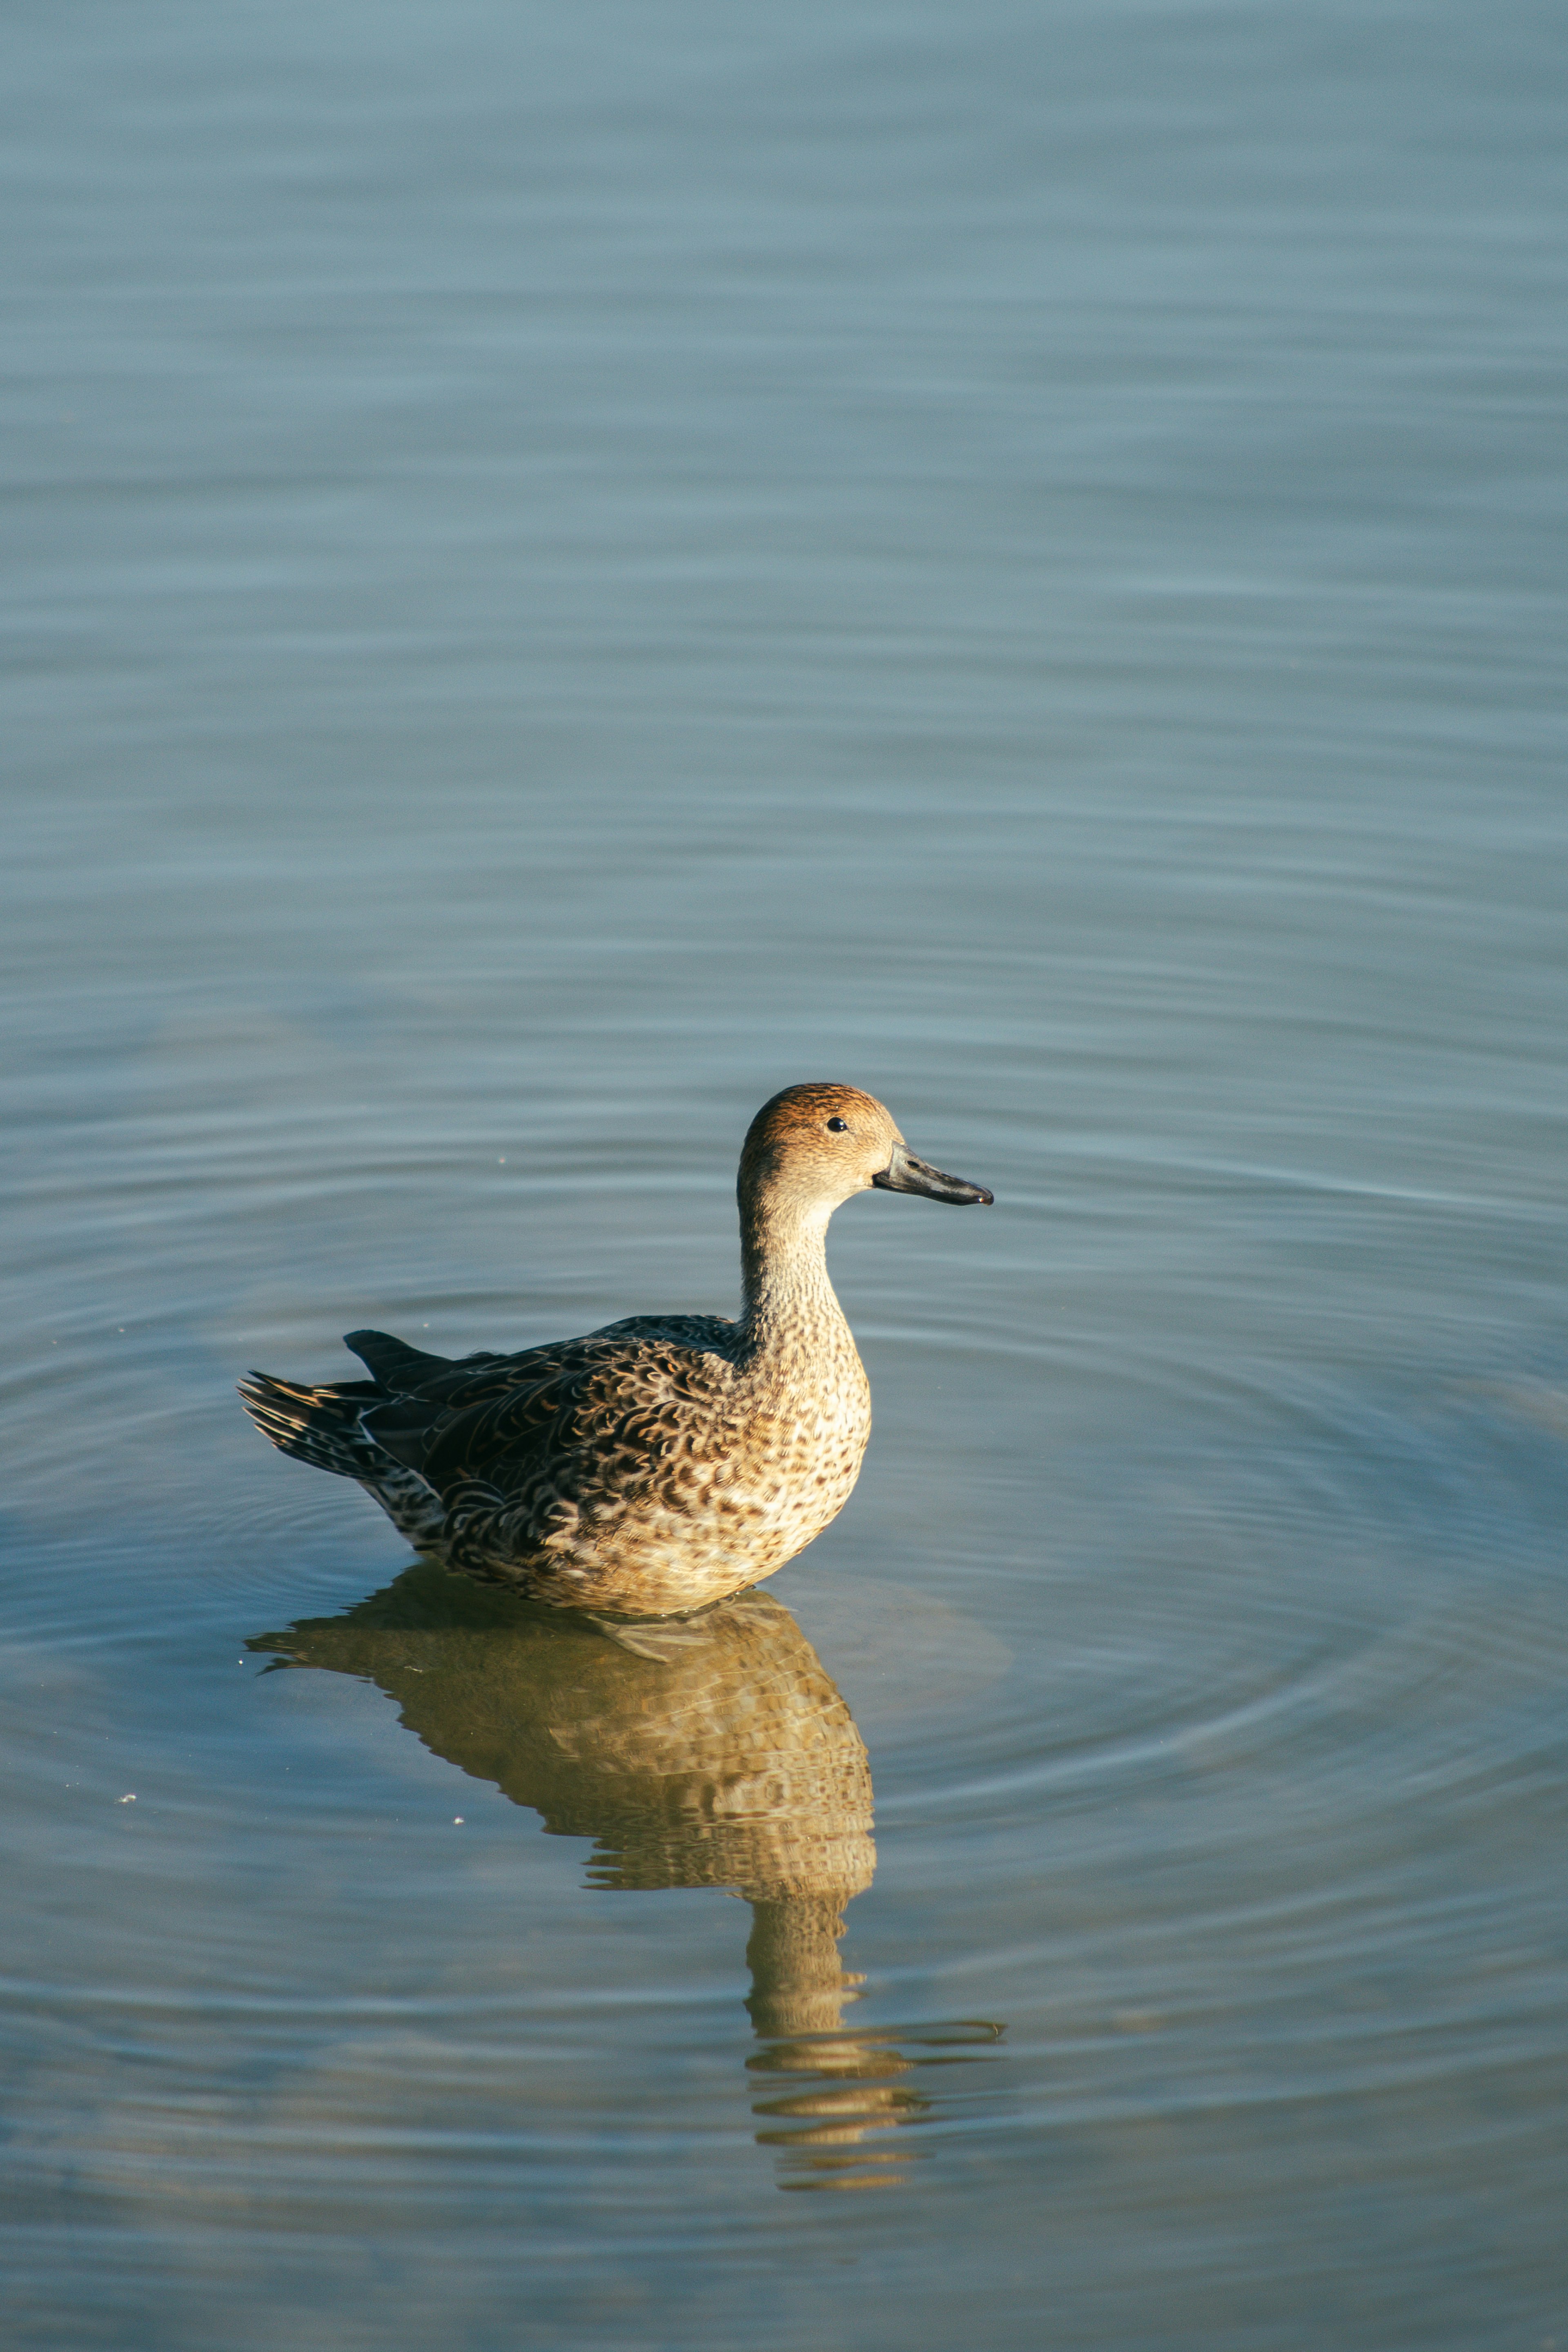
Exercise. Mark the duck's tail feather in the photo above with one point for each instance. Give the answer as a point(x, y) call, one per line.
point(315, 1425)
point(322, 1427)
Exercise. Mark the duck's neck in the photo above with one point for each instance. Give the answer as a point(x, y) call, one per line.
point(783, 1274)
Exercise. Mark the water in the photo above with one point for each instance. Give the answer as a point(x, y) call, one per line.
point(569, 569)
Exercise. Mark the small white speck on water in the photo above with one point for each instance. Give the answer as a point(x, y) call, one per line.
point(457, 1820)
point(130, 1800)
point(501, 1161)
point(121, 1329)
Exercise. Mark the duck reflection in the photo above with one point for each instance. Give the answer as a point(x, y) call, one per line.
point(713, 1752)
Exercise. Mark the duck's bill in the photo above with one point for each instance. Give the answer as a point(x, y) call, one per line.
point(905, 1174)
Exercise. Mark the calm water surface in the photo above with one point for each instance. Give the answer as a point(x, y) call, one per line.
point(568, 569)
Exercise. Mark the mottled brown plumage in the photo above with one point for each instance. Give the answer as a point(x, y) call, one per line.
point(662, 1463)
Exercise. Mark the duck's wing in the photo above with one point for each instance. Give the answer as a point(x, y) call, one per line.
point(531, 1423)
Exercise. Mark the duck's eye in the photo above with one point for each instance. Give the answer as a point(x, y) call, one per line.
point(838, 1127)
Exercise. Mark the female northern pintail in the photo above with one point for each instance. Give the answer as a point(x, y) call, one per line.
point(666, 1461)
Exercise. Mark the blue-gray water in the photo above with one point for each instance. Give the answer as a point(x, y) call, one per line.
point(568, 568)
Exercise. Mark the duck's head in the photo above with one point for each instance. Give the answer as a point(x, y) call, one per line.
point(812, 1146)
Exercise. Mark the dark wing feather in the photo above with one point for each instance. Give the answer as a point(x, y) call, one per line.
point(391, 1361)
point(507, 1440)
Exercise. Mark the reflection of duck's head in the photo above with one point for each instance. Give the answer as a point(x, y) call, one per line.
point(711, 1753)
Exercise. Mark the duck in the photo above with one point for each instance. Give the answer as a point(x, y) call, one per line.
point(664, 1462)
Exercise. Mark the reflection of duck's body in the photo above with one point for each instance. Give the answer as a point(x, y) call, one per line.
point(714, 1753)
point(666, 1461)
point(726, 1759)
